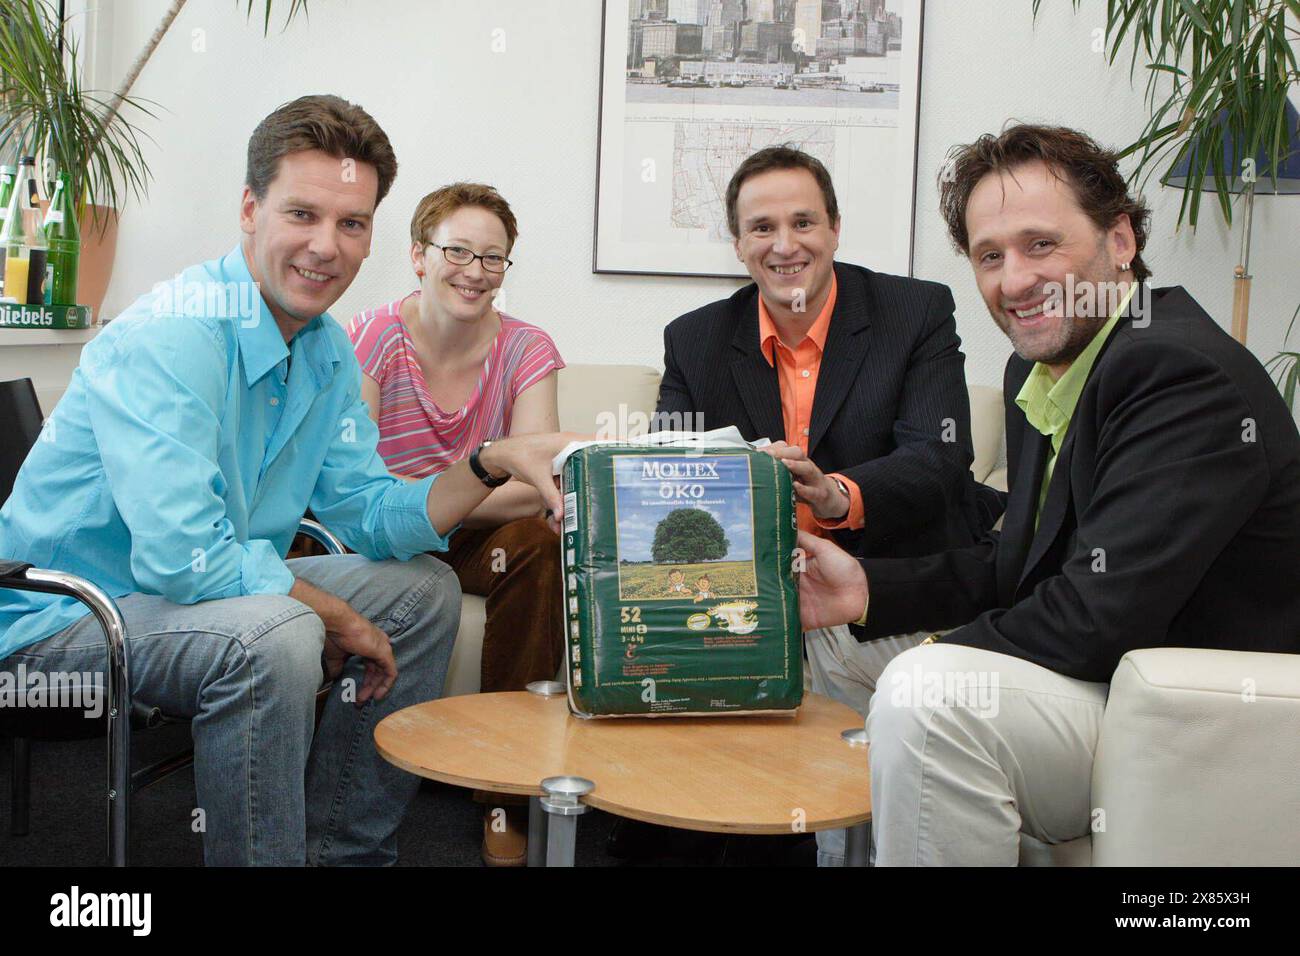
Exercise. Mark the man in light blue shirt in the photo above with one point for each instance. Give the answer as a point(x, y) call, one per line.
point(199, 427)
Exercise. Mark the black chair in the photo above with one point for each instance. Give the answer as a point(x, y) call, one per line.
point(21, 410)
point(122, 713)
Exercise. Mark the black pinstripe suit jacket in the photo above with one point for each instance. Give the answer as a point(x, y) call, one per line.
point(891, 389)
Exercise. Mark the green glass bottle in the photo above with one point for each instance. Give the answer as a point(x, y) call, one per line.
point(6, 190)
point(63, 236)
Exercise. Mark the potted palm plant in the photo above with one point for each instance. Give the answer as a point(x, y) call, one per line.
point(92, 136)
point(46, 111)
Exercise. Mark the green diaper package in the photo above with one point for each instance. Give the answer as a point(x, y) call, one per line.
point(679, 590)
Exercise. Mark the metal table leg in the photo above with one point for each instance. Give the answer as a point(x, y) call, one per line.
point(857, 844)
point(562, 841)
point(537, 819)
point(562, 802)
point(537, 816)
point(857, 840)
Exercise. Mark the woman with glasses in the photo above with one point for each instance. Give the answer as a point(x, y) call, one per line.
point(445, 371)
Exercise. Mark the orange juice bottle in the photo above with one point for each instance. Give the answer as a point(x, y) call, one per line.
point(23, 242)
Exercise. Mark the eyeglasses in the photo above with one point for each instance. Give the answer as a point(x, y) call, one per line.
point(460, 256)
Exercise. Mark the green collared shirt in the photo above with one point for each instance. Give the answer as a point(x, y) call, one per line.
point(1049, 405)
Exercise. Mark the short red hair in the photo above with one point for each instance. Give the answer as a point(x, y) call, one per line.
point(441, 203)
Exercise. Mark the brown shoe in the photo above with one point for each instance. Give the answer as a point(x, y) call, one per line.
point(505, 835)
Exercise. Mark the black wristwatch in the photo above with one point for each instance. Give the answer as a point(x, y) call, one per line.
point(484, 476)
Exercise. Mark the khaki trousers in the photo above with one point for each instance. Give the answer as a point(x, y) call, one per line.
point(970, 749)
point(844, 670)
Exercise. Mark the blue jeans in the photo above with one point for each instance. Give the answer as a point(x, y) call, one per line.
point(246, 671)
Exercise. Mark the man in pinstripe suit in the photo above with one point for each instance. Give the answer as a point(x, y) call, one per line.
point(855, 376)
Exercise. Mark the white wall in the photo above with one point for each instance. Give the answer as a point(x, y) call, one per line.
point(526, 119)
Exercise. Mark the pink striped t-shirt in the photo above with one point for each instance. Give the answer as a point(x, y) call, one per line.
point(418, 438)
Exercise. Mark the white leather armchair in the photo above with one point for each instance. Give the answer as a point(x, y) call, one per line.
point(1198, 764)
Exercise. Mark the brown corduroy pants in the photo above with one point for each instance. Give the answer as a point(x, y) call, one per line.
point(516, 567)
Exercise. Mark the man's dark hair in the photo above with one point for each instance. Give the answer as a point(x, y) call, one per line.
point(784, 156)
point(327, 123)
point(1091, 170)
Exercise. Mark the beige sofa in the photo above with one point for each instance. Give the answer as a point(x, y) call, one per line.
point(1198, 762)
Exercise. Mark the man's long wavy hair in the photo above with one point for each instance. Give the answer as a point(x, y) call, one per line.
point(1091, 170)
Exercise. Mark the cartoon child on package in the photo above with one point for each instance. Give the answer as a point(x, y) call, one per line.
point(677, 582)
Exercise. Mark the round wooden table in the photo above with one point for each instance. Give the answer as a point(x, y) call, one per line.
point(720, 774)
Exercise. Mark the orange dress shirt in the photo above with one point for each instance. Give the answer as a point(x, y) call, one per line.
point(796, 371)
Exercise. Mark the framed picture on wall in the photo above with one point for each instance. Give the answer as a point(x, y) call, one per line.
point(689, 88)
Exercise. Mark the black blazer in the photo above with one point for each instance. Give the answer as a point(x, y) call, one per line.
point(890, 385)
point(1172, 518)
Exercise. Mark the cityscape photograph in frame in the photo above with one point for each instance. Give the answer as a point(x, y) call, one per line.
point(689, 88)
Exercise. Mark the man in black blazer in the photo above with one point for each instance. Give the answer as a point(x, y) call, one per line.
point(1154, 477)
point(891, 412)
point(890, 416)
point(855, 375)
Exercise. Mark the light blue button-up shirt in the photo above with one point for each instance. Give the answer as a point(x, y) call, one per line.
point(187, 447)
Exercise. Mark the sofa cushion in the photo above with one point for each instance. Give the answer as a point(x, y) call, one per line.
point(465, 669)
point(614, 400)
point(986, 425)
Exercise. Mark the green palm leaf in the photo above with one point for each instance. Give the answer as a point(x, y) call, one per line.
point(47, 111)
point(92, 135)
point(1207, 59)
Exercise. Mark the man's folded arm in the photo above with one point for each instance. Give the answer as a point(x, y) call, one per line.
point(928, 469)
point(374, 513)
point(1176, 481)
point(154, 401)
